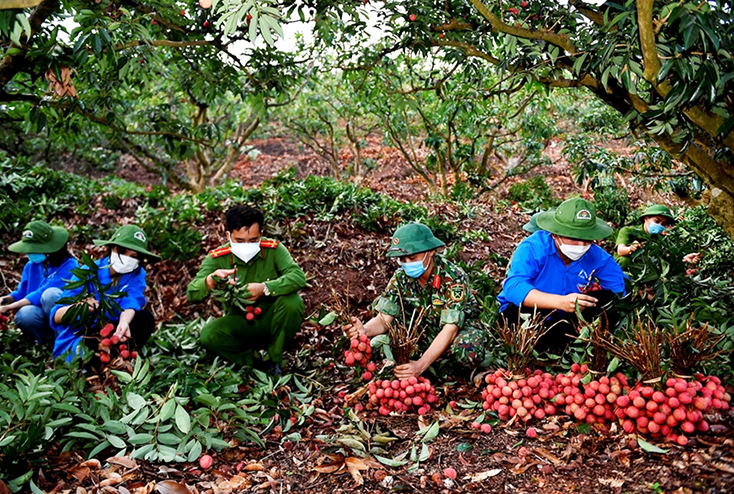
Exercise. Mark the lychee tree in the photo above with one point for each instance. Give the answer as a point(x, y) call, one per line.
point(162, 81)
point(667, 66)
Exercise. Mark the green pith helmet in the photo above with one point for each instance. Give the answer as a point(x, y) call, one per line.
point(574, 218)
point(40, 238)
point(658, 210)
point(130, 237)
point(412, 238)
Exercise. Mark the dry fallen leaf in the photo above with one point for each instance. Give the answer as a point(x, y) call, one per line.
point(354, 465)
point(254, 467)
point(544, 453)
point(614, 483)
point(122, 461)
point(479, 477)
point(171, 487)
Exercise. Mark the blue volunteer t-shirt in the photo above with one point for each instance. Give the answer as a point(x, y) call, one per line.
point(37, 278)
point(133, 284)
point(537, 265)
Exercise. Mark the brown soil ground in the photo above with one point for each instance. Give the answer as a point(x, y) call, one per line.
point(340, 255)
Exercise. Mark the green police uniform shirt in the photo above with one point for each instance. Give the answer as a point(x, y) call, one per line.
point(273, 265)
point(627, 236)
point(446, 298)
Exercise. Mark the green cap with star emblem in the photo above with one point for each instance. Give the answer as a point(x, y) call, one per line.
point(40, 238)
point(575, 218)
point(412, 238)
point(130, 237)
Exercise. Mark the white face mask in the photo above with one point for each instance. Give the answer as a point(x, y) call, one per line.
point(573, 252)
point(246, 250)
point(123, 264)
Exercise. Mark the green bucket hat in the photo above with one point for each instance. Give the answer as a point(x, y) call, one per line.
point(130, 237)
point(532, 225)
point(412, 238)
point(574, 218)
point(40, 238)
point(659, 210)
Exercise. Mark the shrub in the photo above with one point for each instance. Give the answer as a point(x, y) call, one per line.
point(532, 194)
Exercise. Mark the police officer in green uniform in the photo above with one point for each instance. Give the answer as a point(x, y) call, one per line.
point(655, 220)
point(269, 280)
point(451, 332)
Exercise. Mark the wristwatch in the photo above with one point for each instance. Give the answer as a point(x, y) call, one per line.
point(266, 290)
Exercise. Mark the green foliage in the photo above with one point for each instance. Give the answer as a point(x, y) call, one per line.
point(174, 405)
point(671, 291)
point(533, 194)
point(79, 317)
point(35, 192)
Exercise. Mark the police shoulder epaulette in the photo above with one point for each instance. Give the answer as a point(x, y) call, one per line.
point(268, 244)
point(221, 251)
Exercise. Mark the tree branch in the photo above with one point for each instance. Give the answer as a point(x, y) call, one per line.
point(560, 40)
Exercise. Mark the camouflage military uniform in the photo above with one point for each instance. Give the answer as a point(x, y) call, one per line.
point(448, 300)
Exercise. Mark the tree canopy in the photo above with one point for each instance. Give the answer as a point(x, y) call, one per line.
point(165, 84)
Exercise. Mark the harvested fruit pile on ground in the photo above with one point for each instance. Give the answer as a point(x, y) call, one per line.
point(675, 413)
point(593, 402)
point(402, 395)
point(359, 354)
point(527, 397)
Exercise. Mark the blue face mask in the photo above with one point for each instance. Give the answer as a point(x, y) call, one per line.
point(36, 258)
point(414, 269)
point(655, 229)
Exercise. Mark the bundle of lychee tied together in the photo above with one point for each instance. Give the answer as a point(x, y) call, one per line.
point(526, 396)
point(677, 411)
point(111, 342)
point(359, 355)
point(593, 402)
point(402, 395)
point(251, 312)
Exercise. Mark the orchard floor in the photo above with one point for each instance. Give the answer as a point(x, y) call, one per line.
point(559, 460)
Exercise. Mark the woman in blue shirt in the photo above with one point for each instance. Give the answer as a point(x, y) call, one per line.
point(121, 272)
point(44, 275)
point(558, 267)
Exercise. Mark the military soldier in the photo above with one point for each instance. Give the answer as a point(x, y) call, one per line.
point(655, 221)
point(268, 280)
point(426, 280)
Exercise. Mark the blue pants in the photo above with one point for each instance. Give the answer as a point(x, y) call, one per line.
point(33, 320)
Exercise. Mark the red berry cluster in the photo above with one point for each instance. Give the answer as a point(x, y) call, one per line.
point(680, 408)
point(402, 395)
point(525, 397)
point(4, 322)
point(252, 311)
point(359, 354)
point(108, 342)
point(594, 402)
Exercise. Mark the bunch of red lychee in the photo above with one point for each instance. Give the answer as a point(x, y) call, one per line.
point(359, 354)
point(527, 397)
point(3, 322)
point(251, 312)
point(675, 413)
point(402, 395)
point(593, 402)
point(109, 342)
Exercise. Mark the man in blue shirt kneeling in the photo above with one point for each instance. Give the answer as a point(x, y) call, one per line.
point(558, 267)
